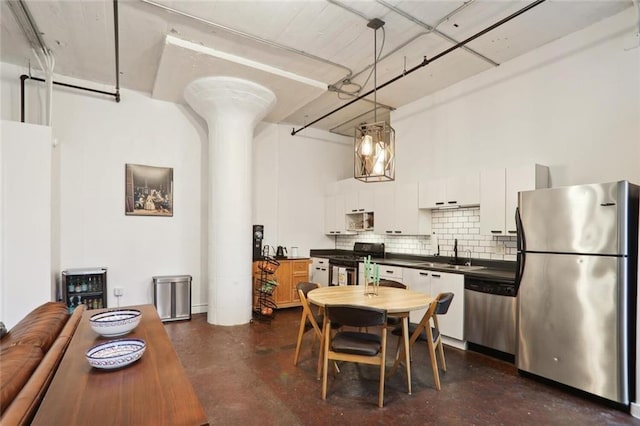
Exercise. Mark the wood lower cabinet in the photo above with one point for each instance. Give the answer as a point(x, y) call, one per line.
point(289, 274)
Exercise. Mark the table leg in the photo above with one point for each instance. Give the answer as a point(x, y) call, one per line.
point(405, 338)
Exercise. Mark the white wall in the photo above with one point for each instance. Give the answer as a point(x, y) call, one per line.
point(98, 136)
point(291, 175)
point(25, 219)
point(573, 105)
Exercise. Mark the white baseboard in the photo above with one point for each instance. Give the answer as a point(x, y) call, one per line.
point(199, 309)
point(460, 344)
point(635, 410)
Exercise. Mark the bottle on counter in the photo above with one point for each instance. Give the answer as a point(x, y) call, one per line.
point(71, 288)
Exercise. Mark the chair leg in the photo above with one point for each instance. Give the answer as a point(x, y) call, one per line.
point(299, 344)
point(441, 350)
point(434, 362)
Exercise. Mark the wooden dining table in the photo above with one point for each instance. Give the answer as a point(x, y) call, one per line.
point(396, 301)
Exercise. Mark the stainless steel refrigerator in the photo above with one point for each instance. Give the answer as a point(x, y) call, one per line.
point(577, 284)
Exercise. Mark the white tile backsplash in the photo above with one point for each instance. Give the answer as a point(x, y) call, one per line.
point(447, 225)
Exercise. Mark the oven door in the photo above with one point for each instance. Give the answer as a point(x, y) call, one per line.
point(343, 275)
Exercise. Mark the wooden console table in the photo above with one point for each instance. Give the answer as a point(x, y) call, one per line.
point(154, 390)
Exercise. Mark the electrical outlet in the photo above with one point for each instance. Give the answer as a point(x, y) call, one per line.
point(500, 248)
point(117, 291)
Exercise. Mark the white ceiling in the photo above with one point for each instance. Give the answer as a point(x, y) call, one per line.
point(297, 48)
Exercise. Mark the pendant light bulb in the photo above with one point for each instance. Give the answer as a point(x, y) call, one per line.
point(366, 147)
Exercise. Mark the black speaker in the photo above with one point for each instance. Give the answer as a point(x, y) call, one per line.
point(258, 234)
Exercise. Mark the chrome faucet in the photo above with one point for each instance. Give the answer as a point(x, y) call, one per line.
point(455, 251)
point(468, 262)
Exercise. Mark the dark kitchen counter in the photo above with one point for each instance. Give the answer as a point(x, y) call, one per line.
point(481, 268)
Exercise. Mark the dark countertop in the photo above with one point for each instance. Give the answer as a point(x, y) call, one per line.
point(493, 269)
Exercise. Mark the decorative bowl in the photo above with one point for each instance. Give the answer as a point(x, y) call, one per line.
point(116, 322)
point(116, 353)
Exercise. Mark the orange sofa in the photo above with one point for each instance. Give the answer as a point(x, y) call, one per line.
point(29, 356)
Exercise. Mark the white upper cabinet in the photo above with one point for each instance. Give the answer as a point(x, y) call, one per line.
point(455, 191)
point(334, 216)
point(359, 201)
point(397, 213)
point(499, 195)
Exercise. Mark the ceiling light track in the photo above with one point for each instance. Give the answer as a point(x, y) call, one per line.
point(425, 62)
point(250, 36)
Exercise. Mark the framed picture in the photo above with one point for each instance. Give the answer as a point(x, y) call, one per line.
point(148, 190)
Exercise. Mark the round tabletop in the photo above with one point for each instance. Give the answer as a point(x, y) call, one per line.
point(393, 300)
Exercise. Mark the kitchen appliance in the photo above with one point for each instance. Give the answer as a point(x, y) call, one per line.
point(490, 316)
point(281, 253)
point(343, 268)
point(577, 286)
point(258, 235)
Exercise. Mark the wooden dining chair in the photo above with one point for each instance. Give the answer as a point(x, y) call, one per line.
point(427, 330)
point(392, 320)
point(356, 346)
point(310, 320)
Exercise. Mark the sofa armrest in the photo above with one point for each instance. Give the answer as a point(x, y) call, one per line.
point(24, 406)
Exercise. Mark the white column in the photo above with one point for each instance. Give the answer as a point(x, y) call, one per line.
point(232, 107)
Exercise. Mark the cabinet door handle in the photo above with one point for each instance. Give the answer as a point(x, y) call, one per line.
point(435, 275)
point(354, 210)
point(389, 232)
point(496, 232)
point(512, 232)
point(360, 210)
point(389, 272)
point(397, 232)
point(439, 203)
point(452, 202)
point(426, 274)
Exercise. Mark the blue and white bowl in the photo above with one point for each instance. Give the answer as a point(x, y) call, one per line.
point(116, 353)
point(115, 323)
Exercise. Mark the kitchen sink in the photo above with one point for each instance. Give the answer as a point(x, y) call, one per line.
point(437, 265)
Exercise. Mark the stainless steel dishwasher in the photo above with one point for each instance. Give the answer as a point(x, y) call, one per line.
point(490, 316)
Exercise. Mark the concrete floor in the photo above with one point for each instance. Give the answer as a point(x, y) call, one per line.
point(244, 375)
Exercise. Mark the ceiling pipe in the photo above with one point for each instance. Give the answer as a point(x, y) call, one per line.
point(434, 30)
point(335, 87)
point(116, 32)
point(426, 62)
point(24, 77)
point(250, 36)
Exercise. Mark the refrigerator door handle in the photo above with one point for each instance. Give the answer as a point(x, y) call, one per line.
point(521, 247)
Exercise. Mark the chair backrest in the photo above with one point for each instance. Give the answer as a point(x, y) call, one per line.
point(391, 283)
point(356, 316)
point(306, 287)
point(444, 301)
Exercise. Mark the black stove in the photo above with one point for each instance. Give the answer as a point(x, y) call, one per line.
point(360, 251)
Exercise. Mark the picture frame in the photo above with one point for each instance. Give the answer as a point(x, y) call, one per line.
point(148, 190)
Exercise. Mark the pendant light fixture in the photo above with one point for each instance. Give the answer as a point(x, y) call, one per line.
point(374, 143)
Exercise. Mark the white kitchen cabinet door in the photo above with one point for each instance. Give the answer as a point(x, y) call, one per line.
point(521, 179)
point(451, 324)
point(432, 194)
point(334, 216)
point(319, 271)
point(359, 201)
point(384, 210)
point(499, 196)
point(329, 214)
point(492, 202)
point(406, 210)
point(418, 280)
point(463, 190)
point(396, 211)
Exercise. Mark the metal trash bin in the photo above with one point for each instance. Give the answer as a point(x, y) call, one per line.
point(172, 297)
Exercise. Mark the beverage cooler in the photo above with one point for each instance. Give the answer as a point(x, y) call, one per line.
point(86, 286)
point(172, 297)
